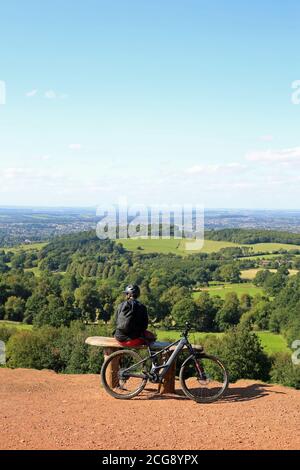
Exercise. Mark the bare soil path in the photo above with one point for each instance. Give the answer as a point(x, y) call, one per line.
point(43, 410)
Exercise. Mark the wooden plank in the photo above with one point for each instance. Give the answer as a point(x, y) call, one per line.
point(112, 369)
point(105, 342)
point(168, 385)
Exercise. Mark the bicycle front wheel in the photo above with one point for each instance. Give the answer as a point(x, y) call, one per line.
point(203, 379)
point(122, 376)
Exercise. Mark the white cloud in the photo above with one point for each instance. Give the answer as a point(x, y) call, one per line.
point(22, 175)
point(216, 168)
point(50, 94)
point(31, 93)
point(75, 146)
point(267, 138)
point(271, 156)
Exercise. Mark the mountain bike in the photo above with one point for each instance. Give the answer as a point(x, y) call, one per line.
point(203, 377)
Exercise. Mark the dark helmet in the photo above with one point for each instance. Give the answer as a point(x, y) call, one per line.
point(132, 290)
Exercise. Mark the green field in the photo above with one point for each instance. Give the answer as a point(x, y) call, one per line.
point(259, 256)
point(150, 245)
point(269, 247)
point(14, 324)
point(249, 274)
point(177, 246)
point(25, 247)
point(271, 342)
point(239, 289)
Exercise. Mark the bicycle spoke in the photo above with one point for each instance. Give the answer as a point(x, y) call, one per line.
point(128, 378)
point(203, 380)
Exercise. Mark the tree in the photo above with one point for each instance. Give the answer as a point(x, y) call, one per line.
point(245, 302)
point(275, 282)
point(206, 312)
point(54, 313)
point(88, 301)
point(296, 263)
point(173, 295)
point(14, 309)
point(184, 310)
point(34, 305)
point(243, 355)
point(228, 273)
point(261, 277)
point(229, 314)
point(18, 260)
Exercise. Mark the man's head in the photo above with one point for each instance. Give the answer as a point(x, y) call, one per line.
point(132, 291)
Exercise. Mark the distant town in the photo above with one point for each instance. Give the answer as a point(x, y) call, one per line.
point(29, 225)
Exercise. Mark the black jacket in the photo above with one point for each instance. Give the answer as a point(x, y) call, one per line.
point(131, 320)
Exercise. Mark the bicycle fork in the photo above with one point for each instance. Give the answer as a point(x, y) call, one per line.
point(200, 369)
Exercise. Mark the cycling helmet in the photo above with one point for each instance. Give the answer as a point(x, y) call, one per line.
point(132, 290)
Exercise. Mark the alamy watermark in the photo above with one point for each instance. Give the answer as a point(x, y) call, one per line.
point(296, 93)
point(122, 221)
point(2, 353)
point(2, 92)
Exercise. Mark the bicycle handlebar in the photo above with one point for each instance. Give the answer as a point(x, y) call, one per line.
point(185, 328)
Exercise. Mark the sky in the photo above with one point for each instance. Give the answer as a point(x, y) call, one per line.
point(159, 102)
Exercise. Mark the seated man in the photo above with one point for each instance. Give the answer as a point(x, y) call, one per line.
point(132, 320)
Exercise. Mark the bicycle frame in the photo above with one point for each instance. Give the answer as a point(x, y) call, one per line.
point(181, 344)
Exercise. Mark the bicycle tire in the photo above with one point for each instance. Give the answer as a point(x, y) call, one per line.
point(111, 391)
point(186, 368)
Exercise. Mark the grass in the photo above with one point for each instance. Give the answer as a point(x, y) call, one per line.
point(249, 274)
point(150, 245)
point(269, 247)
point(25, 247)
point(178, 246)
point(271, 342)
point(239, 289)
point(15, 324)
point(36, 271)
point(260, 256)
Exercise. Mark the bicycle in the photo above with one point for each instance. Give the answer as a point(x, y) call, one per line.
point(203, 377)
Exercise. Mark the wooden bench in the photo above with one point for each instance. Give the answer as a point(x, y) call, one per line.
point(110, 345)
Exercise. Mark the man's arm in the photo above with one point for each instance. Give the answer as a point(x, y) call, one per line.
point(115, 319)
point(145, 318)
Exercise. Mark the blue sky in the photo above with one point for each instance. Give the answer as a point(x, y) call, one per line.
point(157, 101)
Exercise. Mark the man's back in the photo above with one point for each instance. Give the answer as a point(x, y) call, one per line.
point(131, 320)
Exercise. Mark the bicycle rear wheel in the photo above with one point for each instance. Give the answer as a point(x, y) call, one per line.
point(203, 379)
point(117, 381)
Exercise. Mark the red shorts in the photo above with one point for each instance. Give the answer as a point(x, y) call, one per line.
point(139, 341)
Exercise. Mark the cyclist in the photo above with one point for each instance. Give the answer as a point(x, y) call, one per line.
point(132, 320)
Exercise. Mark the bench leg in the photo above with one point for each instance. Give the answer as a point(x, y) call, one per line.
point(112, 369)
point(168, 385)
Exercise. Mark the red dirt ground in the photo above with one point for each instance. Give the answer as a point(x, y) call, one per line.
point(43, 410)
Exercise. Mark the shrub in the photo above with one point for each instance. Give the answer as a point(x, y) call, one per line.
point(284, 372)
point(243, 355)
point(6, 333)
point(77, 357)
point(34, 349)
point(60, 349)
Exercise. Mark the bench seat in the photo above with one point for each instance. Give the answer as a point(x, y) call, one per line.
point(105, 342)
